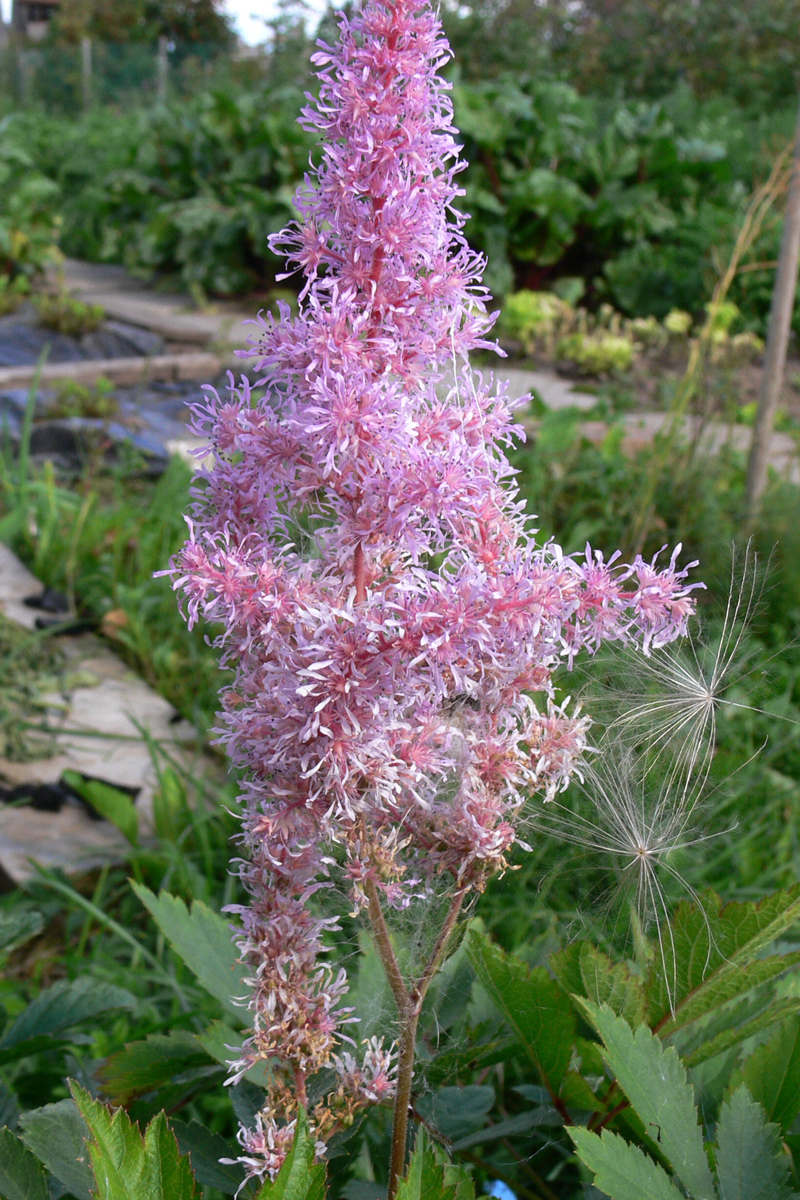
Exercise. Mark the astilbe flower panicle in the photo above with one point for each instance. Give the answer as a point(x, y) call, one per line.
point(388, 613)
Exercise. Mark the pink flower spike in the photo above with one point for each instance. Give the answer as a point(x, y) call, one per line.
point(384, 606)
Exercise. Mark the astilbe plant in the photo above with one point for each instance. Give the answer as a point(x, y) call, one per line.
point(388, 612)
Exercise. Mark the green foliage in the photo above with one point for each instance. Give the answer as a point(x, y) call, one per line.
point(634, 198)
point(193, 188)
point(599, 353)
point(534, 319)
point(143, 1066)
point(21, 1175)
point(73, 399)
point(104, 544)
point(431, 1177)
point(534, 1006)
point(142, 20)
point(628, 201)
point(205, 1150)
point(708, 947)
point(57, 1134)
point(61, 1007)
point(31, 666)
point(127, 1166)
point(108, 802)
point(741, 52)
point(12, 293)
point(750, 1164)
point(202, 938)
point(29, 220)
point(748, 1158)
point(622, 1170)
point(772, 1074)
point(648, 1113)
point(64, 314)
point(584, 970)
point(678, 323)
point(654, 1080)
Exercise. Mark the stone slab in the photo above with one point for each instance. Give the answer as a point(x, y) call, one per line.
point(127, 299)
point(126, 372)
point(553, 390)
point(101, 725)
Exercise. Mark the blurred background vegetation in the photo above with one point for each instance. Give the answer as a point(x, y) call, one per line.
point(614, 144)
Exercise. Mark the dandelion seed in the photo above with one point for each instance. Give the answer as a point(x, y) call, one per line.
point(669, 701)
point(634, 822)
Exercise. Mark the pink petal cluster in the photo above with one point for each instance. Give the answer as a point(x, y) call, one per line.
point(388, 612)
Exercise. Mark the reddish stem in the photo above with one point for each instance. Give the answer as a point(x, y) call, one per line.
point(360, 573)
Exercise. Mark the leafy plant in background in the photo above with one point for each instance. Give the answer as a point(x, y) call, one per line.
point(29, 221)
point(534, 319)
point(64, 314)
point(631, 199)
point(12, 293)
point(744, 53)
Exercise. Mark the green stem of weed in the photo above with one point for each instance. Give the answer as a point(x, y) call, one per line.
point(47, 880)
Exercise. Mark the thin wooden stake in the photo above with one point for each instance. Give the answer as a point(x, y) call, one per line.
point(86, 71)
point(780, 323)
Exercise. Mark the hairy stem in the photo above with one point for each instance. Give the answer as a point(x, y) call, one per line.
point(383, 944)
point(406, 1052)
point(409, 1006)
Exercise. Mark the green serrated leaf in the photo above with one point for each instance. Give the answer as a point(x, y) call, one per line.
point(127, 1167)
point(63, 1005)
point(740, 1033)
point(576, 1093)
point(728, 983)
point(21, 1174)
point(116, 1149)
point(584, 970)
point(202, 939)
point(705, 948)
point(300, 1177)
point(57, 1133)
point(167, 1173)
point(654, 1080)
point(622, 1171)
point(109, 802)
point(532, 1003)
point(431, 1177)
point(772, 1074)
point(205, 1149)
point(750, 1165)
point(458, 1182)
point(142, 1066)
